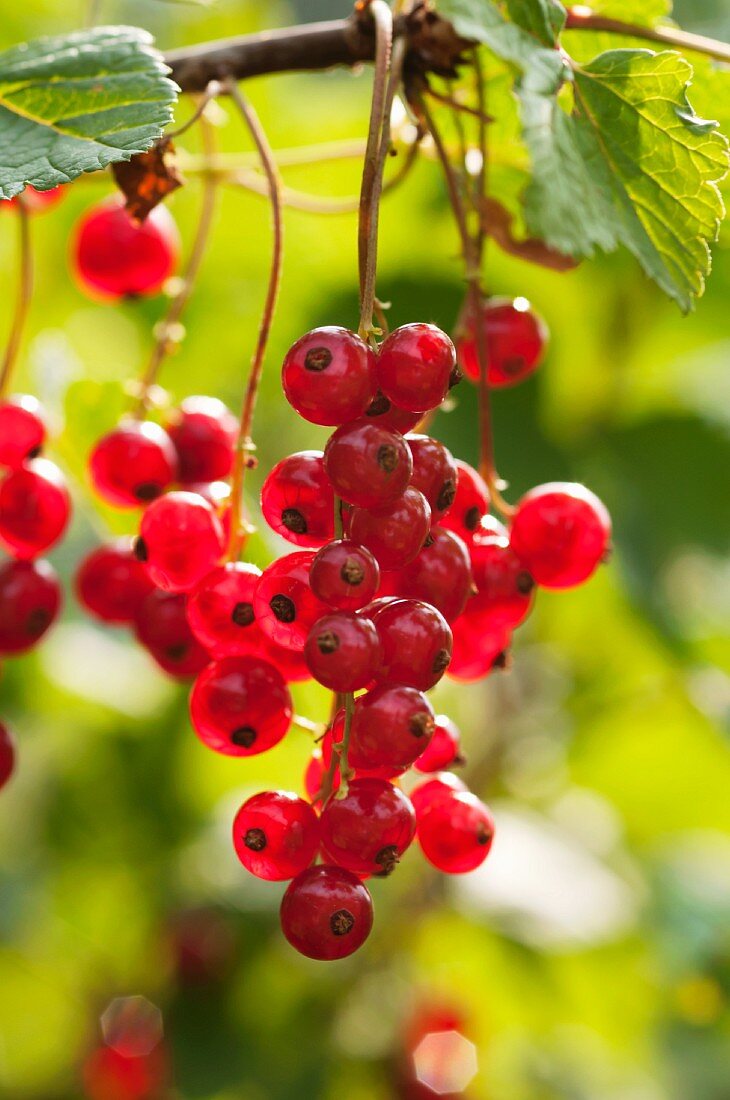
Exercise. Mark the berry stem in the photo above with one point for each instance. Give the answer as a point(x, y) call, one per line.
point(211, 92)
point(245, 445)
point(581, 18)
point(308, 725)
point(23, 298)
point(168, 331)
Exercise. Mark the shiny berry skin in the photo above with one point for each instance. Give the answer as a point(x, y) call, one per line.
point(369, 466)
point(369, 829)
point(416, 643)
point(343, 651)
point(290, 662)
point(114, 257)
point(414, 367)
point(220, 610)
point(297, 500)
point(477, 650)
point(490, 525)
point(456, 833)
point(240, 706)
point(471, 503)
point(34, 508)
point(393, 535)
point(111, 582)
point(383, 412)
point(7, 755)
point(326, 913)
point(204, 432)
point(439, 575)
point(34, 201)
point(22, 429)
point(434, 473)
point(285, 606)
point(133, 464)
point(329, 376)
point(433, 789)
point(444, 749)
point(515, 339)
point(181, 540)
point(333, 736)
point(391, 727)
point(344, 575)
point(504, 587)
point(161, 625)
point(276, 835)
point(30, 600)
point(314, 776)
point(561, 532)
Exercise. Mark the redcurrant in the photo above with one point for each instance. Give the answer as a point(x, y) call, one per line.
point(561, 533)
point(439, 575)
point(414, 367)
point(117, 257)
point(133, 464)
point(326, 913)
point(416, 644)
point(329, 375)
point(477, 649)
point(240, 706)
point(383, 412)
point(181, 539)
point(161, 625)
point(344, 575)
point(30, 599)
point(515, 338)
point(368, 465)
point(276, 835)
point(444, 749)
point(111, 583)
point(433, 789)
point(391, 727)
point(504, 587)
point(22, 429)
point(286, 608)
point(456, 833)
point(394, 535)
point(204, 433)
point(34, 508)
point(471, 503)
point(297, 500)
point(434, 473)
point(369, 829)
point(35, 201)
point(220, 610)
point(343, 651)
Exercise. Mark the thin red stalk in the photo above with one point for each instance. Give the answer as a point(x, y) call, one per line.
point(23, 297)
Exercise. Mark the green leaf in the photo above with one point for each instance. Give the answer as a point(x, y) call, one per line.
point(543, 18)
point(77, 103)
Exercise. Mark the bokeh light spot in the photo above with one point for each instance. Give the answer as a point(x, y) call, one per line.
point(445, 1062)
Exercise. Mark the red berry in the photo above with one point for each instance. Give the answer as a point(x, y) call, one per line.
point(276, 835)
point(434, 473)
point(116, 257)
point(22, 430)
point(290, 662)
point(240, 706)
point(471, 503)
point(456, 833)
point(344, 575)
point(369, 829)
point(368, 465)
point(333, 736)
point(133, 464)
point(181, 539)
point(111, 583)
point(314, 776)
point(343, 651)
point(561, 533)
point(329, 375)
point(394, 535)
point(204, 434)
point(220, 610)
point(515, 339)
point(285, 606)
point(297, 500)
point(416, 644)
point(504, 587)
point(439, 786)
point(477, 649)
point(109, 1074)
point(391, 727)
point(414, 367)
point(439, 575)
point(383, 412)
point(34, 201)
point(34, 508)
point(30, 599)
point(490, 525)
point(7, 755)
point(444, 749)
point(326, 913)
point(161, 625)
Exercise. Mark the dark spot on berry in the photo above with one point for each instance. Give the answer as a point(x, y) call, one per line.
point(34, 452)
point(422, 725)
point(38, 620)
point(328, 642)
point(501, 660)
point(242, 614)
point(446, 495)
point(484, 835)
point(245, 737)
point(342, 922)
point(284, 608)
point(177, 652)
point(515, 364)
point(387, 859)
point(441, 661)
point(148, 490)
point(317, 359)
point(255, 839)
point(378, 406)
point(471, 518)
point(140, 549)
point(352, 572)
point(387, 458)
point(455, 377)
point(524, 583)
point(428, 541)
point(294, 521)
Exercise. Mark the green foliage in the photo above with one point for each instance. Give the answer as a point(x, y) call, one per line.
point(77, 103)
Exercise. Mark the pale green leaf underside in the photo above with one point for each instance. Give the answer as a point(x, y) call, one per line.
point(77, 103)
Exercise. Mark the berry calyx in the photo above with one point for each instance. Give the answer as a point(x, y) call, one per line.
point(326, 913)
point(7, 754)
point(297, 500)
point(111, 582)
point(415, 365)
point(344, 575)
point(561, 533)
point(240, 706)
point(276, 835)
point(203, 431)
point(286, 608)
point(161, 626)
point(416, 643)
point(133, 464)
point(34, 508)
point(343, 651)
point(444, 749)
point(369, 829)
point(220, 610)
point(515, 338)
point(394, 535)
point(30, 600)
point(181, 540)
point(368, 465)
point(434, 473)
point(22, 429)
point(382, 411)
point(116, 257)
point(329, 376)
point(456, 833)
point(471, 503)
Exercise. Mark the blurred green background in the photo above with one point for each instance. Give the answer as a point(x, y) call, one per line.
point(588, 959)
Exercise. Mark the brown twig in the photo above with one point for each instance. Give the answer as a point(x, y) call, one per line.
point(581, 18)
point(23, 296)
